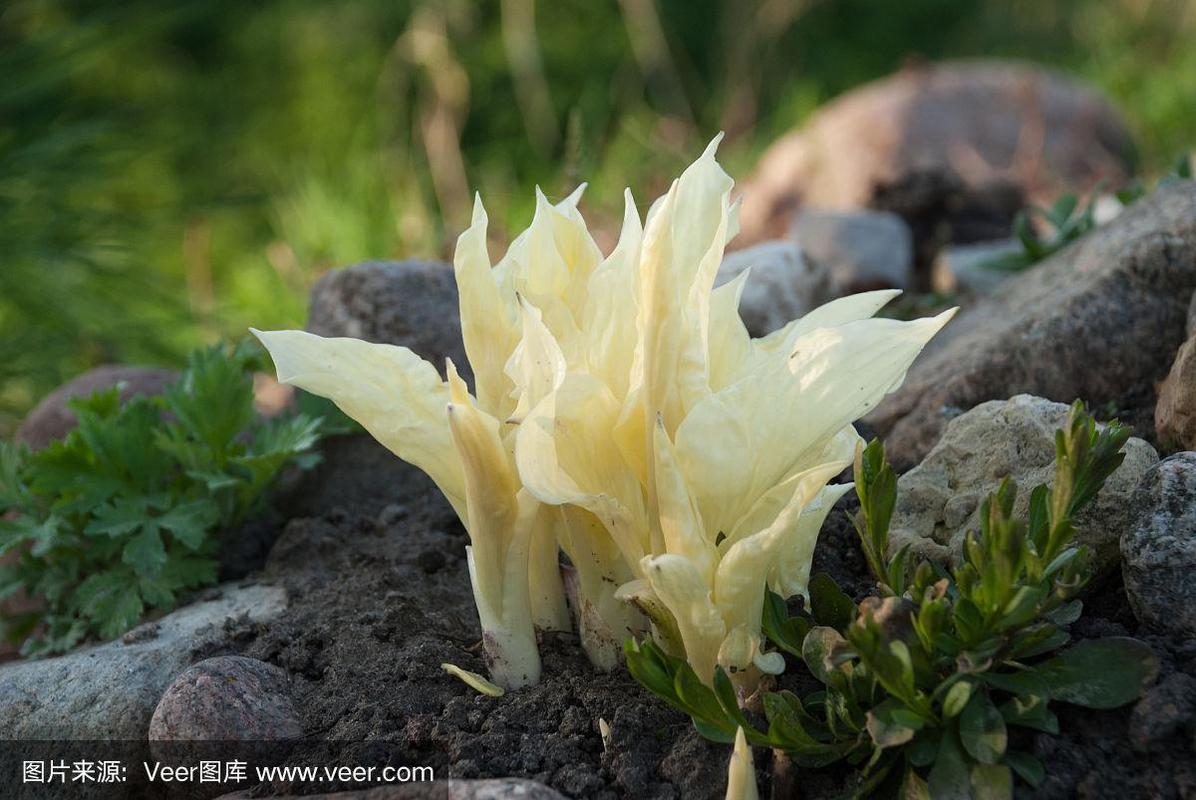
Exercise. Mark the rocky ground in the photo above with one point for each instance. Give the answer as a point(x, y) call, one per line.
point(335, 622)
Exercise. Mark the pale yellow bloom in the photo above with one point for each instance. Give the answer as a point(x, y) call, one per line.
point(741, 771)
point(621, 411)
point(703, 453)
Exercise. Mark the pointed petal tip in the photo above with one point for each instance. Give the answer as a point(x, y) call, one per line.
point(479, 211)
point(940, 320)
point(712, 148)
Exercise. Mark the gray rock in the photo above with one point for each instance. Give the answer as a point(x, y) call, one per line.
point(227, 698)
point(1164, 711)
point(51, 419)
point(357, 473)
point(782, 285)
point(938, 501)
point(109, 691)
point(409, 303)
point(1159, 549)
point(1099, 320)
point(1190, 329)
point(861, 249)
point(959, 144)
point(964, 267)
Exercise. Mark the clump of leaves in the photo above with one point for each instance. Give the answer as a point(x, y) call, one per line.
point(1060, 225)
point(122, 514)
point(922, 682)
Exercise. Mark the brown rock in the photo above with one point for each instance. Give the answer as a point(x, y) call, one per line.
point(227, 698)
point(51, 419)
point(1100, 320)
point(965, 143)
point(1175, 413)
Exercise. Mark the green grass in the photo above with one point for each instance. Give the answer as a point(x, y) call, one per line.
point(172, 172)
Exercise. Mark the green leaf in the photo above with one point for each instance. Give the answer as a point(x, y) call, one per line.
point(950, 778)
point(14, 493)
point(145, 553)
point(787, 730)
point(876, 488)
point(829, 605)
point(1030, 711)
point(728, 701)
point(925, 747)
point(118, 518)
point(913, 787)
point(1027, 767)
point(982, 729)
point(40, 535)
point(1101, 673)
point(214, 481)
point(212, 401)
point(820, 643)
point(698, 698)
point(1067, 613)
point(1041, 642)
point(110, 602)
point(191, 522)
point(1021, 682)
point(957, 697)
point(650, 671)
point(784, 631)
point(888, 729)
point(991, 782)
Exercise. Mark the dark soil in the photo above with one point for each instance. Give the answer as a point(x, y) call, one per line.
point(373, 560)
point(380, 598)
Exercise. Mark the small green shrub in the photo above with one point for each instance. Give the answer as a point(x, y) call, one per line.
point(1064, 222)
point(922, 681)
point(123, 513)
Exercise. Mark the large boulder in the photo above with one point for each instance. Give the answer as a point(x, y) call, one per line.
point(938, 501)
point(1159, 549)
point(409, 303)
point(1100, 320)
point(51, 419)
point(963, 144)
point(110, 691)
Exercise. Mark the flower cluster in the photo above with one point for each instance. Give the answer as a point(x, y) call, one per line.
point(622, 413)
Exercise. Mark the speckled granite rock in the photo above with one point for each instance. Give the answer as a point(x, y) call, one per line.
point(938, 501)
point(1159, 549)
point(409, 303)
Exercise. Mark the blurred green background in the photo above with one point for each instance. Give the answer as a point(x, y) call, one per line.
point(173, 172)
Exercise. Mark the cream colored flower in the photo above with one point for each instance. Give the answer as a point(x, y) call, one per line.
point(622, 412)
